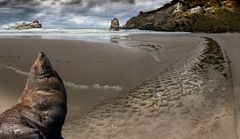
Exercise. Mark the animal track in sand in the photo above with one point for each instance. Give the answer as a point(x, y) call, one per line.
point(174, 99)
point(10, 56)
point(61, 61)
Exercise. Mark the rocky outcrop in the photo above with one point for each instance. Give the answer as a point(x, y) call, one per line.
point(190, 15)
point(115, 25)
point(197, 9)
point(33, 24)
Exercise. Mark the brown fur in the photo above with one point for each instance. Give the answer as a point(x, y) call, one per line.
point(41, 110)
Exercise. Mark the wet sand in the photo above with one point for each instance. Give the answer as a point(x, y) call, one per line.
point(80, 64)
point(176, 85)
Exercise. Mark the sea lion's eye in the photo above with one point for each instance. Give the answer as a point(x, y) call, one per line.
point(34, 69)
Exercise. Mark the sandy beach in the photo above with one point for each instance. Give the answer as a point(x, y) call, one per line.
point(119, 69)
point(176, 85)
point(81, 64)
point(230, 42)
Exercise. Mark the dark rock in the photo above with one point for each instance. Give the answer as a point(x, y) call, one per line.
point(115, 24)
point(33, 24)
point(197, 9)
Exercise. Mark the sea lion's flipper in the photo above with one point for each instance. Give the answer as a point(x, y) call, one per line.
point(16, 131)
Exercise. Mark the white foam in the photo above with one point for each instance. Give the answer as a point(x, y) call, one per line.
point(92, 87)
point(95, 35)
point(16, 70)
point(69, 83)
point(10, 25)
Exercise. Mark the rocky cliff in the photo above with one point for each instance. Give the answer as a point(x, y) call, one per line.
point(33, 24)
point(190, 15)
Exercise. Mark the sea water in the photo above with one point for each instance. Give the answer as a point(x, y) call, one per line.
point(92, 35)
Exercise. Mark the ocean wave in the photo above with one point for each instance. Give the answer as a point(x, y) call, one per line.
point(92, 87)
point(70, 84)
point(90, 35)
point(10, 25)
point(15, 69)
point(5, 29)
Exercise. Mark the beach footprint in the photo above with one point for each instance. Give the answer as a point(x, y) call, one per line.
point(61, 61)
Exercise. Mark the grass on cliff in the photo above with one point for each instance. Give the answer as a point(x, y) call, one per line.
point(221, 22)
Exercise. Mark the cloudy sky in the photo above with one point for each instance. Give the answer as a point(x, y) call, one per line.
point(73, 13)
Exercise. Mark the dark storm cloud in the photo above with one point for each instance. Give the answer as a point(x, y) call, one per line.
point(61, 2)
point(73, 13)
point(17, 2)
point(73, 2)
point(81, 6)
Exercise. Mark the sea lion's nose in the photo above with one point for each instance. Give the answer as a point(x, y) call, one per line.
point(41, 55)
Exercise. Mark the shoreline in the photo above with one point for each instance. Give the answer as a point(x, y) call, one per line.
point(88, 35)
point(93, 63)
point(124, 63)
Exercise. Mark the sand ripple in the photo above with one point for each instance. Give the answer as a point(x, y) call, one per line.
point(192, 99)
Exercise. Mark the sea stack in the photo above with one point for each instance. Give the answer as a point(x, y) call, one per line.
point(33, 24)
point(41, 110)
point(115, 24)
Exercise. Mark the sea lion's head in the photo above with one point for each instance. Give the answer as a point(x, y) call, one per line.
point(42, 76)
point(42, 67)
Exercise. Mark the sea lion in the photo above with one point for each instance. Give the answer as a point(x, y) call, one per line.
point(42, 107)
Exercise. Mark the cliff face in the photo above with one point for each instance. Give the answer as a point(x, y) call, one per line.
point(190, 15)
